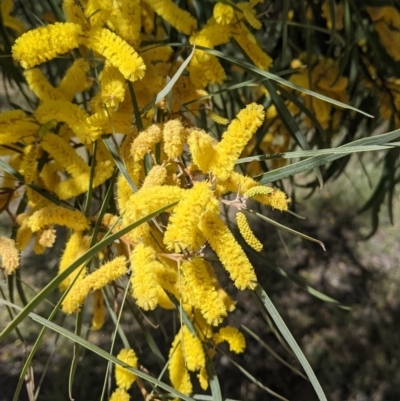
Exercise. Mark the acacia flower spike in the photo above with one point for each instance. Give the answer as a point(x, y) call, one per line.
point(45, 43)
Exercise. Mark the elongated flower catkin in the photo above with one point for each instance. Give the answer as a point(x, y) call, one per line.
point(202, 148)
point(64, 154)
point(193, 351)
point(94, 281)
point(178, 372)
point(15, 125)
point(146, 139)
point(125, 20)
point(119, 53)
point(112, 85)
point(144, 278)
point(228, 251)
point(75, 247)
point(248, 13)
point(157, 176)
point(233, 337)
point(182, 232)
point(99, 311)
point(45, 43)
point(40, 86)
point(258, 190)
point(248, 43)
point(174, 138)
point(123, 377)
point(24, 233)
point(143, 144)
point(175, 16)
point(218, 119)
point(75, 79)
point(273, 197)
point(148, 200)
point(204, 294)
point(235, 138)
point(69, 113)
point(247, 232)
point(73, 12)
point(9, 255)
point(56, 215)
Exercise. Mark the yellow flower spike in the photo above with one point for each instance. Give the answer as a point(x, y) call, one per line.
point(119, 395)
point(80, 184)
point(163, 299)
point(228, 251)
point(175, 16)
point(249, 15)
point(182, 232)
point(75, 247)
point(203, 379)
point(123, 377)
point(143, 144)
point(235, 138)
point(40, 86)
point(205, 296)
point(273, 197)
point(237, 182)
point(9, 255)
point(119, 53)
point(233, 337)
point(157, 176)
point(46, 237)
point(178, 373)
point(145, 141)
point(64, 154)
point(204, 72)
point(147, 18)
point(218, 119)
point(167, 276)
point(107, 273)
point(223, 13)
point(202, 148)
point(16, 125)
point(99, 311)
point(258, 190)
point(75, 79)
point(228, 302)
point(64, 111)
point(38, 248)
point(210, 35)
point(29, 163)
point(15, 24)
point(24, 233)
point(144, 279)
point(96, 13)
point(148, 200)
point(247, 232)
point(112, 85)
point(57, 215)
point(125, 20)
point(45, 43)
point(175, 135)
point(193, 351)
point(247, 42)
point(73, 12)
point(30, 172)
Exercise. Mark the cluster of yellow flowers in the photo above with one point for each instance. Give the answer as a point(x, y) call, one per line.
point(58, 147)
